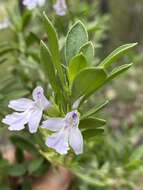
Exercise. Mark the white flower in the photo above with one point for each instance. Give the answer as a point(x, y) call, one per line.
point(29, 111)
point(66, 133)
point(60, 7)
point(32, 4)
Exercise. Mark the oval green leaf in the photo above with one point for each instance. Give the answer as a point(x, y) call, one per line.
point(76, 38)
point(76, 64)
point(87, 82)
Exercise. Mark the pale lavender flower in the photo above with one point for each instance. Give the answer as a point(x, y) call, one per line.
point(66, 133)
point(60, 7)
point(32, 4)
point(28, 111)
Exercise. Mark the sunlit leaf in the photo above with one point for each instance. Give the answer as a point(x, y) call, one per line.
point(76, 38)
point(133, 165)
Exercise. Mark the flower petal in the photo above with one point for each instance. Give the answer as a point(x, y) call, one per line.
point(40, 99)
point(16, 127)
point(72, 119)
point(53, 124)
point(16, 121)
point(60, 7)
point(76, 140)
point(37, 93)
point(34, 120)
point(20, 104)
point(59, 142)
point(30, 4)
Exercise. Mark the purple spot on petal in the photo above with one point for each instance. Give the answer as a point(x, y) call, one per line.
point(74, 115)
point(39, 94)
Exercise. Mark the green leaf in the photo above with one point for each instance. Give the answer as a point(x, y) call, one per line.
point(133, 165)
point(27, 184)
point(7, 50)
point(17, 170)
point(26, 18)
point(113, 74)
point(3, 164)
point(90, 133)
point(35, 165)
point(91, 123)
point(119, 70)
point(2, 60)
point(52, 38)
point(116, 54)
point(19, 154)
point(76, 64)
point(90, 180)
point(32, 38)
point(87, 82)
point(76, 38)
point(53, 45)
point(48, 66)
point(16, 94)
point(88, 51)
point(24, 144)
point(95, 110)
point(5, 187)
point(137, 154)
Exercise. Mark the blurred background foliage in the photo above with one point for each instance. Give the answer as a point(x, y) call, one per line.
point(118, 163)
